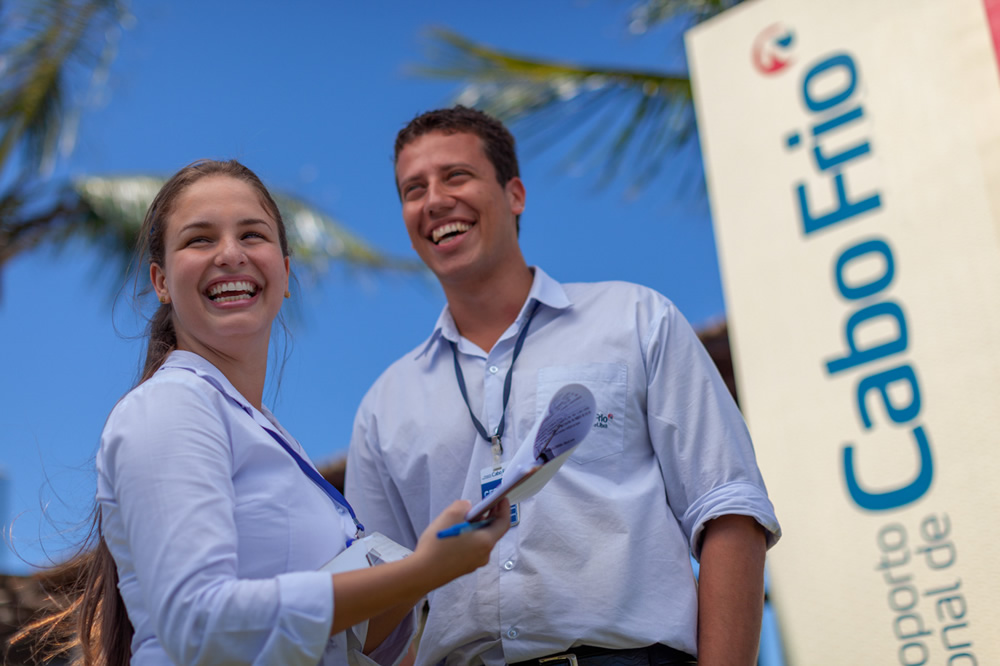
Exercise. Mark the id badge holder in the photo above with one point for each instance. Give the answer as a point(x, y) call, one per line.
point(489, 479)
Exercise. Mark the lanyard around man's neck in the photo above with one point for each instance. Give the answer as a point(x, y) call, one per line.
point(496, 439)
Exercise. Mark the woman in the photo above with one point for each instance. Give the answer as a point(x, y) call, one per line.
point(216, 523)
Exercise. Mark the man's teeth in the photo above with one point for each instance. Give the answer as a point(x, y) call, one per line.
point(448, 229)
point(234, 291)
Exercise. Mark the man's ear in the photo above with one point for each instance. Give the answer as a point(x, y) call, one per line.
point(515, 194)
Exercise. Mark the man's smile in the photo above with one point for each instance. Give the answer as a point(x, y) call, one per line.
point(448, 232)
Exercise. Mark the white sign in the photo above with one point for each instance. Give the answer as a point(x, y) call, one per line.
point(852, 150)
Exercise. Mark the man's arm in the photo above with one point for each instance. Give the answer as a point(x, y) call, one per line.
point(730, 591)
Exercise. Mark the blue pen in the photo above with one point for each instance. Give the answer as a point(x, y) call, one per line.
point(462, 528)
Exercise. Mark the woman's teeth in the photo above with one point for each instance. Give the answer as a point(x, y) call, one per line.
point(226, 292)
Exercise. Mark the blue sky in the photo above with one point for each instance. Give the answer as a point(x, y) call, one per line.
point(309, 95)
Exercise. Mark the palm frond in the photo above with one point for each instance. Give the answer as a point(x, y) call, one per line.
point(317, 240)
point(623, 115)
point(115, 207)
point(44, 43)
point(25, 223)
point(44, 47)
point(647, 14)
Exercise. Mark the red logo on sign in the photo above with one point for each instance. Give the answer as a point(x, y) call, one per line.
point(772, 49)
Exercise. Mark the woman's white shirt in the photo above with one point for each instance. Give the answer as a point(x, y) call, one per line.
point(216, 531)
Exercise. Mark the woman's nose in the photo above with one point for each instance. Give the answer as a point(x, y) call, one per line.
point(230, 253)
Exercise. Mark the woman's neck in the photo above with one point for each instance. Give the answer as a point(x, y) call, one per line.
point(245, 369)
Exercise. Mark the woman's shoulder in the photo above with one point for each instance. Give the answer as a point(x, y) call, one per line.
point(170, 400)
point(165, 386)
point(183, 376)
point(174, 414)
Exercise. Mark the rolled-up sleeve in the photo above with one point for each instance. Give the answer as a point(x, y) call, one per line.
point(702, 444)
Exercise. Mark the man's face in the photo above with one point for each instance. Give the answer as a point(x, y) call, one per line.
point(461, 221)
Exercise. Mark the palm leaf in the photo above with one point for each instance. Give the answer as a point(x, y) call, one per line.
point(44, 46)
point(106, 213)
point(650, 13)
point(114, 207)
point(623, 119)
point(44, 42)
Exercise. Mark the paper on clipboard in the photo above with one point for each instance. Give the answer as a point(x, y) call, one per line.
point(569, 418)
point(374, 549)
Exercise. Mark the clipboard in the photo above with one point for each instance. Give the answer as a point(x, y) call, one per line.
point(568, 419)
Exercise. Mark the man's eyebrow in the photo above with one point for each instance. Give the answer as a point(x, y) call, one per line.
point(439, 168)
point(464, 165)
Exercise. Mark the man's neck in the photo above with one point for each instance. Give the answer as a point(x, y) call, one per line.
point(482, 312)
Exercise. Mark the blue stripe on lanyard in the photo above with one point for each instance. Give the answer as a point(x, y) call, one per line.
point(506, 383)
point(318, 479)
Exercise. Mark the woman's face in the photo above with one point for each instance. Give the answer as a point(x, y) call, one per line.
point(223, 270)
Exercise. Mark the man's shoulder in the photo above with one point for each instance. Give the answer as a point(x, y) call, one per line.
point(618, 292)
point(604, 286)
point(405, 369)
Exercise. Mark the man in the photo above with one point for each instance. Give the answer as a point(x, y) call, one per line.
point(596, 568)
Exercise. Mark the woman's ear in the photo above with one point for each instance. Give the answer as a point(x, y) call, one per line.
point(288, 278)
point(159, 281)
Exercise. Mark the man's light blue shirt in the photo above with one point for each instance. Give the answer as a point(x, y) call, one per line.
point(601, 555)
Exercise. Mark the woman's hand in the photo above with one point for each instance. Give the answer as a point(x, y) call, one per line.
point(451, 557)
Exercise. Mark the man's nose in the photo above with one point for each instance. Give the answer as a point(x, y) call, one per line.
point(439, 199)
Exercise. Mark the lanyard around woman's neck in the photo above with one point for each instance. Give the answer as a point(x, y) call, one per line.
point(496, 439)
point(318, 479)
point(310, 471)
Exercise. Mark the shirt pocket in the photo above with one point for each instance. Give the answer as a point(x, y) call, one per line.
point(609, 384)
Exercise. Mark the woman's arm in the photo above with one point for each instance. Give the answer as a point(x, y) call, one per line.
point(398, 586)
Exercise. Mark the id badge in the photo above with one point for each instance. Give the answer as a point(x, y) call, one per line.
point(489, 479)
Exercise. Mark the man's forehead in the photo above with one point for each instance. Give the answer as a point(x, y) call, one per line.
point(434, 143)
point(438, 151)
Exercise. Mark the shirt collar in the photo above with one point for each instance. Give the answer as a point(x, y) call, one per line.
point(544, 289)
point(192, 362)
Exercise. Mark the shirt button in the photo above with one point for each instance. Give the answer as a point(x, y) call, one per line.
point(494, 369)
point(512, 633)
point(508, 565)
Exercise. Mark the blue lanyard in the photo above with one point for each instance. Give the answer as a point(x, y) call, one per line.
point(495, 440)
point(310, 471)
point(318, 479)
